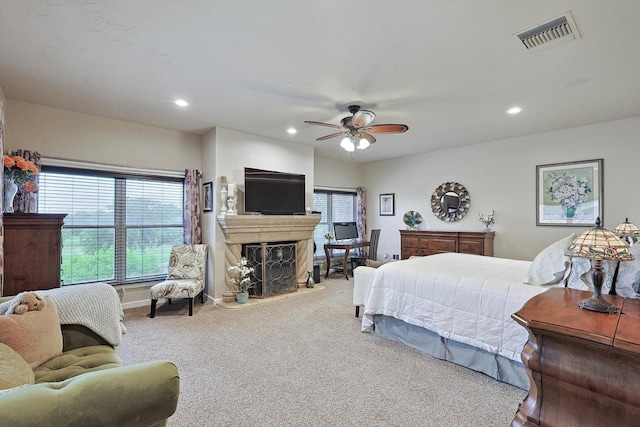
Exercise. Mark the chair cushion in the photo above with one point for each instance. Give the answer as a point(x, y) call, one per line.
point(187, 262)
point(15, 370)
point(186, 288)
point(76, 362)
point(34, 335)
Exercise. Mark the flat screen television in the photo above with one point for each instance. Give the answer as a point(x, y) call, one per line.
point(273, 193)
point(345, 231)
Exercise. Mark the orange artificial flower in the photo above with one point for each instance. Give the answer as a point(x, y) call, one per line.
point(21, 163)
point(8, 161)
point(18, 169)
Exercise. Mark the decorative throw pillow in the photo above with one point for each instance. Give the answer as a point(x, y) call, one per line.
point(34, 335)
point(550, 266)
point(628, 281)
point(15, 370)
point(578, 274)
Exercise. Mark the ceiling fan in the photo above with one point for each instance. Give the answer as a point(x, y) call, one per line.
point(357, 129)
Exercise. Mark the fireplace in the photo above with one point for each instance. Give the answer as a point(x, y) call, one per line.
point(274, 269)
point(245, 230)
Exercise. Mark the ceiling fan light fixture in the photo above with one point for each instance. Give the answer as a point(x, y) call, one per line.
point(347, 144)
point(363, 143)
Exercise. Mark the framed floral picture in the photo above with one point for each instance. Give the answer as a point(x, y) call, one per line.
point(569, 194)
point(387, 204)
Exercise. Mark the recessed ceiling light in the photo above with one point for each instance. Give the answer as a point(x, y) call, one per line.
point(292, 131)
point(181, 103)
point(514, 110)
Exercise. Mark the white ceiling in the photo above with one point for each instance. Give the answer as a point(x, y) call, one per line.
point(449, 69)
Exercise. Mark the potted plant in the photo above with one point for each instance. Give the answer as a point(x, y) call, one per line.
point(242, 279)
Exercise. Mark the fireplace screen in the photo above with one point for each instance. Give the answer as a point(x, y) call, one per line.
point(274, 269)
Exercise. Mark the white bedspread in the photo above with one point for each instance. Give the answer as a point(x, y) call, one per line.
point(467, 298)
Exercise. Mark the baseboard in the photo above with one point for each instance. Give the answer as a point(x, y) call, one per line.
point(147, 303)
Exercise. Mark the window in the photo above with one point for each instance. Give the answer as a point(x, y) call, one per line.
point(334, 206)
point(119, 228)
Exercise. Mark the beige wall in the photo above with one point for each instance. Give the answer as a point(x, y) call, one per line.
point(70, 135)
point(227, 153)
point(66, 134)
point(501, 176)
point(337, 174)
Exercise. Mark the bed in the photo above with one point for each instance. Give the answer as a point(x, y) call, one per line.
point(458, 307)
point(455, 307)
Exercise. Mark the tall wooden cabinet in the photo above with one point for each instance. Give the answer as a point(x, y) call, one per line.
point(421, 243)
point(32, 251)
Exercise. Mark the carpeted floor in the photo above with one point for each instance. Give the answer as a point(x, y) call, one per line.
point(302, 361)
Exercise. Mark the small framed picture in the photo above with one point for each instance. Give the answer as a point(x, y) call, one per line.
point(569, 194)
point(387, 204)
point(207, 204)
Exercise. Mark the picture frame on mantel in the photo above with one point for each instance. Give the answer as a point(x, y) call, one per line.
point(207, 197)
point(570, 194)
point(387, 204)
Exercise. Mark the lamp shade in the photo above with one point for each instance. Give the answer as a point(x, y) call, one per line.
point(599, 243)
point(626, 229)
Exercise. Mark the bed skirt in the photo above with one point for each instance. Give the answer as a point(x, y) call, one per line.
point(496, 366)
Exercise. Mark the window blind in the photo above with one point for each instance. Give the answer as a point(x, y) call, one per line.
point(334, 206)
point(118, 228)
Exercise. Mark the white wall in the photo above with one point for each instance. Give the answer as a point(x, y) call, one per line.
point(501, 176)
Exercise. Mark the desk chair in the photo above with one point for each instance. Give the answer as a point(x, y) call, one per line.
point(373, 251)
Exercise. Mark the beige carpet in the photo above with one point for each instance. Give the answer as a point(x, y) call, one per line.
point(302, 361)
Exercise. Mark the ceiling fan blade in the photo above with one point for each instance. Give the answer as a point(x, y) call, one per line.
point(362, 118)
point(368, 137)
point(333, 135)
point(387, 128)
point(310, 122)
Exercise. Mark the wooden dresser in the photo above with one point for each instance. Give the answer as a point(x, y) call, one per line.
point(32, 252)
point(420, 243)
point(583, 366)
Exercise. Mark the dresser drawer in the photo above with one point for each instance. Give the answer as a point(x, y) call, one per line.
point(471, 247)
point(438, 245)
point(410, 242)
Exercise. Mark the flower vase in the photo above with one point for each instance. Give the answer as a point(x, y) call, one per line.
point(487, 228)
point(569, 211)
point(241, 297)
point(10, 190)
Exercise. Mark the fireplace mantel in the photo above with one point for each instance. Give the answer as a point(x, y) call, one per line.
point(242, 229)
point(267, 228)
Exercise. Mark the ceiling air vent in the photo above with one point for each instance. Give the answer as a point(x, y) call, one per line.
point(556, 31)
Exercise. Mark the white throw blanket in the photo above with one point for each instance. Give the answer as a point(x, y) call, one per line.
point(96, 306)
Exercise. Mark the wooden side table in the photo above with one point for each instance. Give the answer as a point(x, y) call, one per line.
point(583, 366)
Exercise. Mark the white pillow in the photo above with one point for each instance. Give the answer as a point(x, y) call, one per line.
point(550, 266)
point(629, 274)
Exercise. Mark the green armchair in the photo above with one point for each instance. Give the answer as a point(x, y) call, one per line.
point(87, 385)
